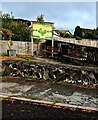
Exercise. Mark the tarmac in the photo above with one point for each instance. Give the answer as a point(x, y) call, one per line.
point(50, 93)
point(43, 93)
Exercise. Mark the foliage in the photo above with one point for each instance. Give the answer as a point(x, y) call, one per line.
point(90, 35)
point(40, 18)
point(97, 30)
point(66, 35)
point(10, 43)
point(78, 32)
point(86, 33)
point(6, 16)
point(3, 54)
point(6, 19)
point(96, 33)
point(78, 38)
point(6, 34)
point(82, 63)
point(19, 30)
point(62, 34)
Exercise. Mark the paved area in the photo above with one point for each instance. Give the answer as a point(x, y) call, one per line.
point(50, 92)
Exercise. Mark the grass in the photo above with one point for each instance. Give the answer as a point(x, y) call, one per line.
point(83, 63)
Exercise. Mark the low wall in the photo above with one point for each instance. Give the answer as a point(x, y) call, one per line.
point(51, 71)
point(19, 46)
point(25, 47)
point(83, 42)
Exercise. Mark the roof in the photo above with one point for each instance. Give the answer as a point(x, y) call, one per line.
point(22, 20)
point(55, 33)
point(62, 31)
point(86, 30)
point(42, 22)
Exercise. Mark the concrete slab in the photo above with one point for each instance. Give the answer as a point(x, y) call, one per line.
point(50, 93)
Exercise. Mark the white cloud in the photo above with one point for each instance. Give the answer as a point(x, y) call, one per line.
point(66, 15)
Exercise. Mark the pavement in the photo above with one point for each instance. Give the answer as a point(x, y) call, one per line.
point(47, 92)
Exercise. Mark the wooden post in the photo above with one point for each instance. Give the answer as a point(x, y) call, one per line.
point(32, 42)
point(52, 39)
point(52, 46)
point(32, 46)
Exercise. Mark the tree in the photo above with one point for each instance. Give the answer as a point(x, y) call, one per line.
point(6, 34)
point(96, 33)
point(62, 34)
point(6, 16)
point(6, 19)
point(40, 18)
point(90, 35)
point(66, 35)
point(78, 32)
point(97, 30)
point(20, 29)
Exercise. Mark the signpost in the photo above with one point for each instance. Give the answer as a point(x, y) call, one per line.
point(32, 43)
point(42, 31)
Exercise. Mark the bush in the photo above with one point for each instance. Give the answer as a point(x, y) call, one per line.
point(67, 35)
point(78, 38)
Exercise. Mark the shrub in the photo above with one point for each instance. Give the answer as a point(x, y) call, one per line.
point(78, 38)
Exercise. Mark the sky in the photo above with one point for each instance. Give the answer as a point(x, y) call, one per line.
point(65, 15)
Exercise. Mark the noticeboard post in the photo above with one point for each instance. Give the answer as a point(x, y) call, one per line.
point(42, 31)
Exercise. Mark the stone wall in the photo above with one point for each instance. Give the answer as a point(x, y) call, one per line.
point(19, 46)
point(25, 47)
point(50, 71)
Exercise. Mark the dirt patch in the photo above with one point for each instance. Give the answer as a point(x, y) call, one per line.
point(10, 58)
point(17, 109)
point(10, 78)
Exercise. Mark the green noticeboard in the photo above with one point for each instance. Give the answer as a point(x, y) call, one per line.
point(42, 31)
